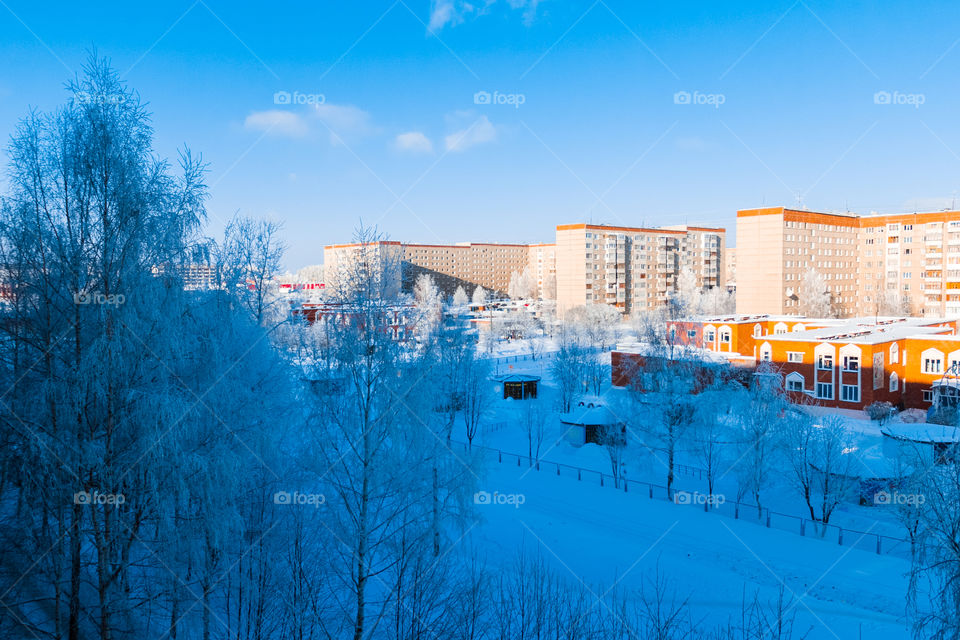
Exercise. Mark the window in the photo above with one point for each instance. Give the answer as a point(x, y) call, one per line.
point(725, 337)
point(825, 391)
point(850, 393)
point(825, 362)
point(851, 363)
point(692, 333)
point(894, 353)
point(932, 365)
point(794, 356)
point(757, 331)
point(928, 395)
point(710, 335)
point(894, 381)
point(794, 384)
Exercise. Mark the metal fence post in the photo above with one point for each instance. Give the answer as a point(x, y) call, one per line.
point(651, 491)
point(578, 474)
point(768, 518)
point(601, 479)
point(558, 468)
point(803, 527)
point(839, 536)
point(625, 486)
point(879, 538)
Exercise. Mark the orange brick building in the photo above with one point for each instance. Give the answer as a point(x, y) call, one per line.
point(833, 363)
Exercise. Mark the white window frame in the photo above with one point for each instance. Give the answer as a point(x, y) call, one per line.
point(850, 393)
point(795, 356)
point(894, 382)
point(825, 386)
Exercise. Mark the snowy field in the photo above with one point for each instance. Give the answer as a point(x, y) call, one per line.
point(604, 536)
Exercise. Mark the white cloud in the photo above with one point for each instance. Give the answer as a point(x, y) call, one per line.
point(479, 132)
point(414, 142)
point(344, 118)
point(454, 12)
point(277, 122)
point(341, 121)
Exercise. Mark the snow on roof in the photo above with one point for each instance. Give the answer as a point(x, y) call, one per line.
point(516, 377)
point(858, 331)
point(925, 433)
point(590, 413)
point(680, 352)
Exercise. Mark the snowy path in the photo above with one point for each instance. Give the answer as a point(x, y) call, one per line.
point(599, 535)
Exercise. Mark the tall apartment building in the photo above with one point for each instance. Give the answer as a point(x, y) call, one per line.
point(873, 264)
point(542, 262)
point(633, 269)
point(452, 265)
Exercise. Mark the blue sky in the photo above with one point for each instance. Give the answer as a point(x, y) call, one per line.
point(842, 105)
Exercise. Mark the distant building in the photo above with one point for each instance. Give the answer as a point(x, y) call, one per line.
point(630, 268)
point(873, 264)
point(469, 265)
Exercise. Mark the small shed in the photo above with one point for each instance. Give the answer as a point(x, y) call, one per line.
point(587, 420)
point(519, 386)
point(930, 442)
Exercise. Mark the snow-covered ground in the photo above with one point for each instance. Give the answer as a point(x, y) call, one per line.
point(602, 535)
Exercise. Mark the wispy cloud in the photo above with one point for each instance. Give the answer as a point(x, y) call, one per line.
point(480, 131)
point(343, 120)
point(278, 123)
point(340, 121)
point(413, 142)
point(445, 13)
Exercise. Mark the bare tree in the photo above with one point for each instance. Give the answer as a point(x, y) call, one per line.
point(822, 468)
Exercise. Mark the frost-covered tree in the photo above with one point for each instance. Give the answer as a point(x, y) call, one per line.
point(522, 285)
point(818, 457)
point(480, 297)
point(760, 415)
point(429, 305)
point(569, 366)
point(460, 298)
point(814, 295)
